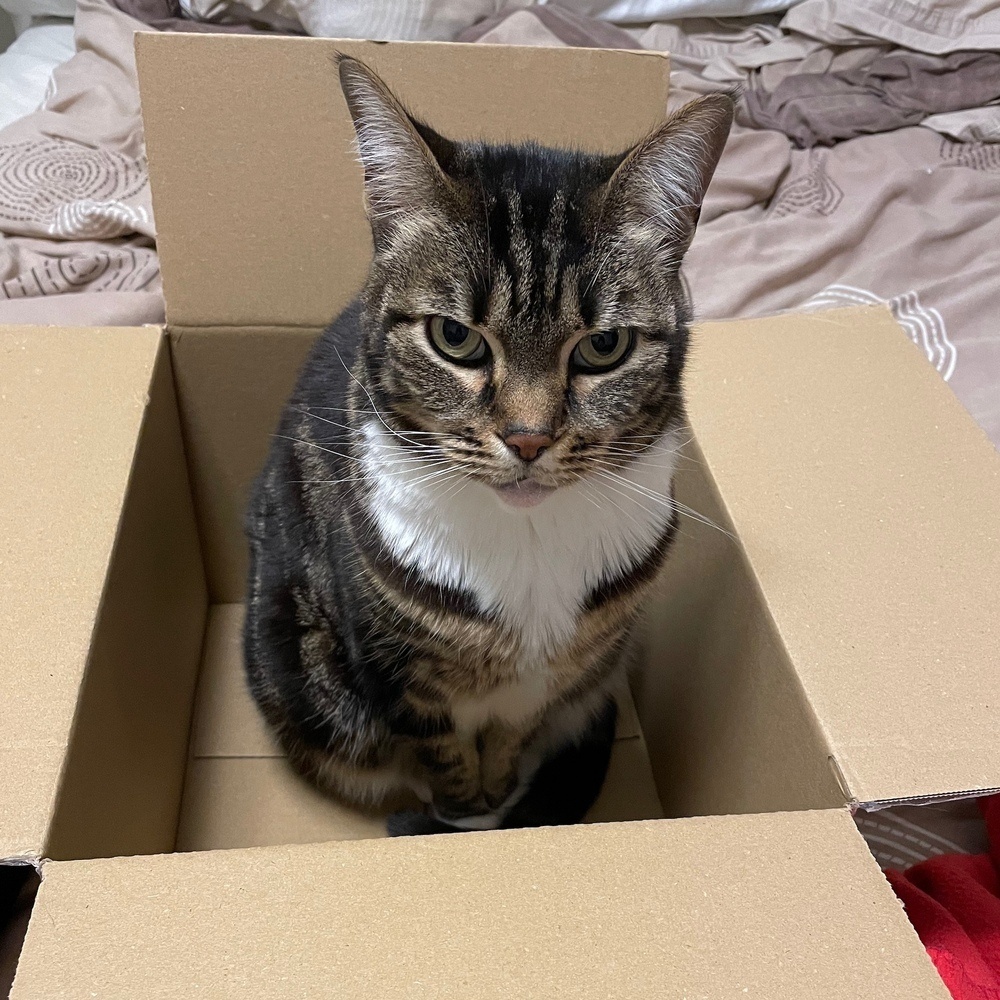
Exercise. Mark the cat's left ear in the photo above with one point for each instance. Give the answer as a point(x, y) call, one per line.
point(657, 190)
point(402, 173)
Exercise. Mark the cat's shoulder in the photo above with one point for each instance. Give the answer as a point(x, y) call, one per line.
point(326, 368)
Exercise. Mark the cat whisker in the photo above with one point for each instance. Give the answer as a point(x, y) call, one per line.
point(326, 420)
point(352, 458)
point(586, 495)
point(670, 502)
point(354, 378)
point(335, 409)
point(463, 481)
point(324, 482)
point(355, 409)
point(614, 456)
point(318, 447)
point(431, 476)
point(360, 478)
point(354, 430)
point(617, 506)
point(630, 515)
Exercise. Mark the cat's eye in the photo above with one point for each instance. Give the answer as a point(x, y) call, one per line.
point(456, 342)
point(600, 352)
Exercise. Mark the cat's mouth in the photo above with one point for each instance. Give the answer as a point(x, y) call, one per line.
point(524, 493)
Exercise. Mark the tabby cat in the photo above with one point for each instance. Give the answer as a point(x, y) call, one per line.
point(470, 490)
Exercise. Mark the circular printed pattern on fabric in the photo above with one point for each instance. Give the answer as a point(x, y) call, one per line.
point(974, 155)
point(70, 190)
point(125, 269)
point(814, 192)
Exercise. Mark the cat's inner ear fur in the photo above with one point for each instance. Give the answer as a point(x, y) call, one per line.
point(402, 175)
point(656, 193)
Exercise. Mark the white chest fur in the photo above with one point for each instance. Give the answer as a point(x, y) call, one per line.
point(533, 567)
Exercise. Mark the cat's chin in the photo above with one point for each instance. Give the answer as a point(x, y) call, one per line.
point(523, 494)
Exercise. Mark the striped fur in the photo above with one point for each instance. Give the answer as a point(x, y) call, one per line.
point(406, 628)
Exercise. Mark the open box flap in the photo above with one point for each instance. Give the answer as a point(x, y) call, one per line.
point(619, 911)
point(258, 197)
point(868, 505)
point(71, 405)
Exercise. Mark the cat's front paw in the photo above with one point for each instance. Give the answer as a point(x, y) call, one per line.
point(409, 823)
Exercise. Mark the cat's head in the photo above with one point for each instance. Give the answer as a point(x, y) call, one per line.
point(524, 313)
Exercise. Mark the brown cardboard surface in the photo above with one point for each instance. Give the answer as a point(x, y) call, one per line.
point(868, 505)
point(120, 791)
point(71, 406)
point(234, 802)
point(18, 885)
point(773, 907)
point(226, 721)
point(258, 197)
point(729, 727)
point(629, 790)
point(240, 792)
point(231, 386)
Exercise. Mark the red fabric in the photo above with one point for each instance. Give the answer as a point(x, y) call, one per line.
point(953, 902)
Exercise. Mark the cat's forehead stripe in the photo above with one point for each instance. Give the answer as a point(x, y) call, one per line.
point(531, 255)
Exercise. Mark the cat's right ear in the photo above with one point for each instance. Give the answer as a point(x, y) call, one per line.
point(402, 175)
point(657, 191)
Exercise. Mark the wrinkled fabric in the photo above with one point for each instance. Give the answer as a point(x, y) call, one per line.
point(953, 902)
point(76, 217)
point(935, 27)
point(892, 90)
point(907, 218)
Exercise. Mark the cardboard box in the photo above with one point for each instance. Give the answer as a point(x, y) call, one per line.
point(833, 645)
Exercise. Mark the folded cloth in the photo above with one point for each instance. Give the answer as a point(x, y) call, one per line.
point(953, 902)
point(893, 90)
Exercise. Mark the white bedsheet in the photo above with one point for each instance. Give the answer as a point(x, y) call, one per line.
point(26, 67)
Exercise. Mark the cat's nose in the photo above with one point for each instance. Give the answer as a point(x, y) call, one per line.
point(527, 444)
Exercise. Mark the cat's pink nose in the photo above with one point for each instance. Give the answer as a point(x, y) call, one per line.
point(528, 446)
